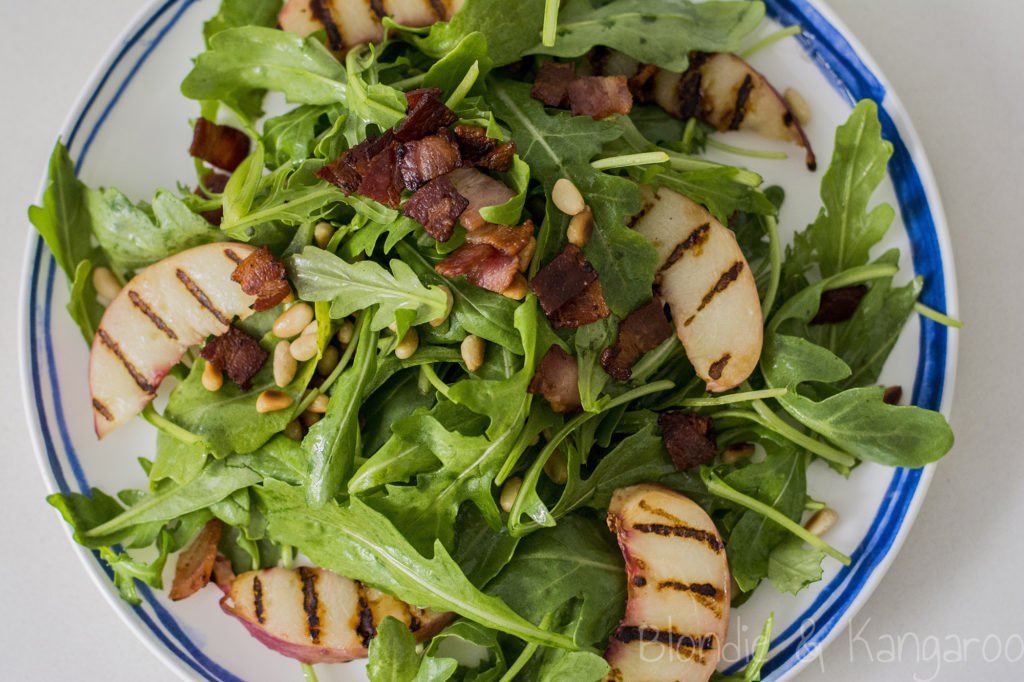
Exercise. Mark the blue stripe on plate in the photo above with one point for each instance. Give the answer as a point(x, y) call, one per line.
point(843, 68)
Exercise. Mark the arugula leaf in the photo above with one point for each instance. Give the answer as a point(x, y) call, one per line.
point(127, 571)
point(393, 655)
point(561, 146)
point(457, 637)
point(509, 212)
point(83, 307)
point(492, 19)
point(448, 71)
point(661, 32)
point(292, 137)
point(62, 220)
point(715, 188)
point(358, 542)
point(792, 565)
point(591, 340)
point(234, 13)
point(481, 551)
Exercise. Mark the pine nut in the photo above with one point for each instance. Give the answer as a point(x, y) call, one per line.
point(328, 361)
point(322, 234)
point(272, 401)
point(567, 197)
point(581, 227)
point(345, 332)
point(105, 283)
point(526, 254)
point(310, 328)
point(410, 342)
point(309, 418)
point(294, 430)
point(472, 350)
point(284, 364)
point(518, 289)
point(437, 322)
point(319, 404)
point(822, 521)
point(213, 378)
point(509, 491)
point(736, 452)
point(304, 347)
point(557, 468)
point(797, 105)
point(292, 321)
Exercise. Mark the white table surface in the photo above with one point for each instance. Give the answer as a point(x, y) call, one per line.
point(950, 606)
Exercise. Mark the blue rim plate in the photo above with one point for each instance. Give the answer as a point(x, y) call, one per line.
point(133, 81)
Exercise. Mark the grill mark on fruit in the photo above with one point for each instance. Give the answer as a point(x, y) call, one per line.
point(414, 623)
point(137, 376)
point(201, 297)
point(704, 594)
point(690, 93)
point(739, 108)
point(378, 8)
point(157, 321)
point(365, 627)
point(724, 280)
point(686, 644)
point(658, 511)
point(438, 7)
point(718, 366)
point(695, 239)
point(102, 409)
point(322, 12)
point(233, 257)
point(682, 531)
point(257, 599)
point(631, 223)
point(310, 602)
point(639, 581)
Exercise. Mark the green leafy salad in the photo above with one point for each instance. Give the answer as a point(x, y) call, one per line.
point(409, 434)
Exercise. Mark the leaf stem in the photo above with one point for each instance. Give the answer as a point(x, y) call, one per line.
point(410, 82)
point(936, 316)
point(740, 397)
point(742, 151)
point(164, 424)
point(768, 419)
point(527, 652)
point(717, 486)
point(308, 674)
point(770, 40)
point(361, 319)
point(627, 160)
point(685, 162)
point(435, 381)
point(550, 27)
point(775, 263)
point(468, 81)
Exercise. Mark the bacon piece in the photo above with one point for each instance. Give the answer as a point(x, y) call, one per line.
point(213, 183)
point(552, 83)
point(420, 161)
point(425, 114)
point(382, 181)
point(600, 96)
point(486, 152)
point(347, 171)
point(583, 308)
point(689, 438)
point(642, 330)
point(223, 573)
point(236, 354)
point(436, 206)
point(839, 305)
point(263, 276)
point(565, 277)
point(481, 190)
point(483, 266)
point(195, 564)
point(509, 239)
point(222, 146)
point(557, 379)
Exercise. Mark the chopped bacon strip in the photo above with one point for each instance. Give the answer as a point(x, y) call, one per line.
point(263, 276)
point(557, 379)
point(483, 266)
point(223, 574)
point(425, 114)
point(222, 146)
point(236, 354)
point(892, 395)
point(566, 276)
point(498, 159)
point(213, 183)
point(600, 96)
point(481, 190)
point(382, 181)
point(583, 308)
point(642, 330)
point(420, 161)
point(552, 84)
point(486, 152)
point(839, 305)
point(689, 438)
point(195, 564)
point(436, 206)
point(509, 239)
point(347, 171)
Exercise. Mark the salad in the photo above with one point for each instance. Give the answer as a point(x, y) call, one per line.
point(474, 297)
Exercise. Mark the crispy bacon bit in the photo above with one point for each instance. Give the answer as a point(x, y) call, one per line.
point(509, 239)
point(552, 84)
point(583, 308)
point(382, 182)
point(222, 146)
point(557, 379)
point(500, 158)
point(347, 171)
point(223, 573)
point(689, 438)
point(483, 266)
point(263, 276)
point(436, 206)
point(642, 330)
point(485, 152)
point(213, 183)
point(481, 190)
point(425, 114)
point(600, 96)
point(892, 395)
point(236, 354)
point(195, 564)
point(838, 305)
point(420, 161)
point(565, 277)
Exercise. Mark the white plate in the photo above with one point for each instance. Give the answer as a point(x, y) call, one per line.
point(130, 130)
